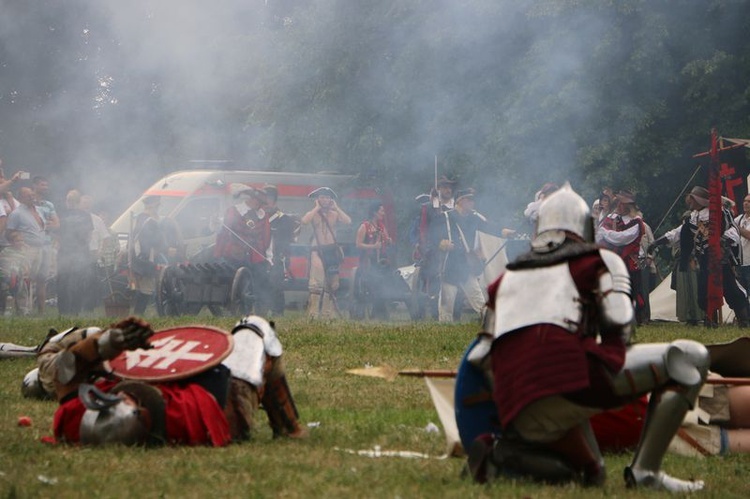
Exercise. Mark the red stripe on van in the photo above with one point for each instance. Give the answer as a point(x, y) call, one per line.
point(170, 193)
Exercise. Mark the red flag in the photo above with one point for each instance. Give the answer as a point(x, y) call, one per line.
point(733, 169)
point(715, 293)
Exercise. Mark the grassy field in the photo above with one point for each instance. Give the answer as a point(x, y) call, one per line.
point(346, 412)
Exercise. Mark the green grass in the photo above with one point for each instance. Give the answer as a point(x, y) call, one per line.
point(353, 412)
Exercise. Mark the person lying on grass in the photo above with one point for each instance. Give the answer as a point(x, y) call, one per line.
point(215, 406)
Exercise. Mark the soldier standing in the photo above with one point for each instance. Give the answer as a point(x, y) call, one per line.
point(325, 255)
point(147, 253)
point(692, 238)
point(433, 259)
point(243, 240)
point(284, 231)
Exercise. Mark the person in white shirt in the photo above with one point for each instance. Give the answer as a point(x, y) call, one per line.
point(743, 225)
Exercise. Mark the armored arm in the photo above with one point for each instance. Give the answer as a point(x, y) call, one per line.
point(68, 365)
point(616, 312)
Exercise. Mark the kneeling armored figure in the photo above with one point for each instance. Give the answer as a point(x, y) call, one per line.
point(557, 336)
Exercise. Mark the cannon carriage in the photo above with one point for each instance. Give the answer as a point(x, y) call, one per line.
point(185, 288)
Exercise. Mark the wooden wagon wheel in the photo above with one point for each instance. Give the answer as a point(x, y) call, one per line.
point(242, 296)
point(169, 292)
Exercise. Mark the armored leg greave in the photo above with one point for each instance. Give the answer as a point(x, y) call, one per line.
point(683, 364)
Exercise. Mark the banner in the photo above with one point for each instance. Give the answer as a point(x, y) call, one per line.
point(733, 171)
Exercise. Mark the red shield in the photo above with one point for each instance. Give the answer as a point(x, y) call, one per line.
point(178, 353)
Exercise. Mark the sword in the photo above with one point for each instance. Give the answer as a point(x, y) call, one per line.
point(13, 351)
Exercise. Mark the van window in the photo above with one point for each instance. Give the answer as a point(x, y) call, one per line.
point(198, 217)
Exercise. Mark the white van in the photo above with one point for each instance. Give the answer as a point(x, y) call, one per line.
point(197, 199)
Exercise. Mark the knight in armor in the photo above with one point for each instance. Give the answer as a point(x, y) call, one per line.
point(692, 239)
point(556, 343)
point(214, 407)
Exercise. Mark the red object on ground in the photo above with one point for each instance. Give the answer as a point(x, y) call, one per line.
point(620, 430)
point(24, 421)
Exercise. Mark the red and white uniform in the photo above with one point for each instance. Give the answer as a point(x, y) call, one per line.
point(554, 352)
point(622, 234)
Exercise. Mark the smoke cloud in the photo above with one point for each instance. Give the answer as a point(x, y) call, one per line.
point(108, 96)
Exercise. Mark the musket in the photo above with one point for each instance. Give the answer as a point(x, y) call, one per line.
point(12, 351)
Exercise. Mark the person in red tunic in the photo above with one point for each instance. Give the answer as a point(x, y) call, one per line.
point(622, 232)
point(556, 340)
point(214, 407)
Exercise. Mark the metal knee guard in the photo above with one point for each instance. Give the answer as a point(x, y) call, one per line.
point(651, 366)
point(686, 364)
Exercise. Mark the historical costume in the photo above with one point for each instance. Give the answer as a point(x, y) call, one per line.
point(692, 238)
point(212, 407)
point(370, 281)
point(556, 338)
point(326, 255)
point(243, 241)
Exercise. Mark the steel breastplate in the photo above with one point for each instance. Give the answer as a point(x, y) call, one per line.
point(544, 295)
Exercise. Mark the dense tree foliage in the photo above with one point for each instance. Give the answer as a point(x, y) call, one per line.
point(506, 94)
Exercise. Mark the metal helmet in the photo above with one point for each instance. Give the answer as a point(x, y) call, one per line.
point(563, 211)
point(113, 418)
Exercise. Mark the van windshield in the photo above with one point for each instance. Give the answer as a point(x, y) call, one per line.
point(167, 205)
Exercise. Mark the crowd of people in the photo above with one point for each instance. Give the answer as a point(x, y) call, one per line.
point(555, 343)
point(69, 251)
point(65, 252)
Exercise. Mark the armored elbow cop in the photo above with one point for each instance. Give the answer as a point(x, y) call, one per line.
point(615, 303)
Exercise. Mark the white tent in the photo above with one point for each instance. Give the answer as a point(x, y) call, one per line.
point(664, 304)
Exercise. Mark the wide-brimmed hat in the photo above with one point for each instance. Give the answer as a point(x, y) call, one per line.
point(465, 193)
point(625, 196)
point(700, 195)
point(271, 190)
point(323, 191)
point(422, 198)
point(237, 188)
